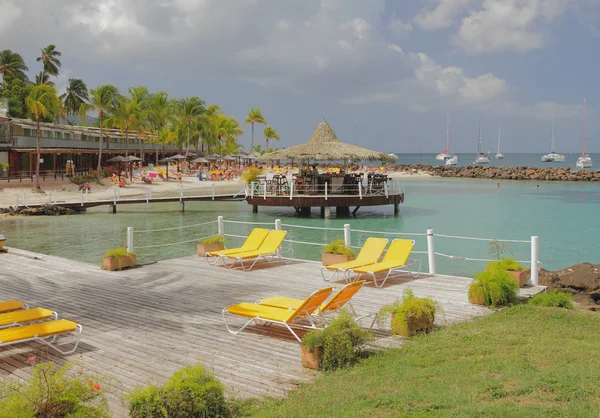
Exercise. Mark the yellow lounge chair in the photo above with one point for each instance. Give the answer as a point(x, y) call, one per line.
point(23, 316)
point(45, 332)
point(369, 254)
point(337, 302)
point(281, 316)
point(252, 243)
point(268, 250)
point(395, 259)
point(12, 305)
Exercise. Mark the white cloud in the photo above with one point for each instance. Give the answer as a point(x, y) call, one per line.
point(442, 16)
point(396, 48)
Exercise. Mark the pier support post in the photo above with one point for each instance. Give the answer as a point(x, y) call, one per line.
point(396, 208)
point(181, 206)
point(129, 239)
point(254, 209)
point(347, 236)
point(342, 211)
point(431, 252)
point(113, 208)
point(326, 212)
point(305, 210)
point(277, 224)
point(535, 253)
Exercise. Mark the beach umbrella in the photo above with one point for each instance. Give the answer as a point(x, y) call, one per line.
point(178, 157)
point(117, 159)
point(166, 161)
point(200, 160)
point(132, 158)
point(228, 158)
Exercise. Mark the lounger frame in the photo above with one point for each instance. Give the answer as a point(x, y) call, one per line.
point(277, 255)
point(352, 276)
point(50, 340)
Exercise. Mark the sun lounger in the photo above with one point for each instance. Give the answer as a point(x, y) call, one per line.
point(269, 250)
point(394, 260)
point(369, 254)
point(252, 243)
point(12, 305)
point(337, 302)
point(285, 317)
point(23, 316)
point(45, 332)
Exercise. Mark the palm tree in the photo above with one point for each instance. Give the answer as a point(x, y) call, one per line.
point(43, 78)
point(130, 113)
point(254, 116)
point(12, 67)
point(41, 102)
point(270, 133)
point(75, 96)
point(104, 101)
point(50, 61)
point(189, 109)
point(160, 115)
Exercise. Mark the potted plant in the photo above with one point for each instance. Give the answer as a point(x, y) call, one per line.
point(211, 244)
point(493, 288)
point(2, 241)
point(118, 259)
point(514, 268)
point(336, 252)
point(339, 345)
point(410, 316)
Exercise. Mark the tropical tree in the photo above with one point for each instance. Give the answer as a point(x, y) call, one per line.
point(130, 114)
point(50, 61)
point(104, 101)
point(160, 116)
point(42, 101)
point(254, 116)
point(76, 95)
point(12, 67)
point(270, 133)
point(43, 78)
point(188, 109)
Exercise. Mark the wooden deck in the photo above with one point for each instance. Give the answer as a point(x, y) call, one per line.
point(143, 324)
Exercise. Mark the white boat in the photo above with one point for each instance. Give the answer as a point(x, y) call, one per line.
point(444, 155)
point(499, 155)
point(585, 161)
point(391, 154)
point(481, 158)
point(452, 159)
point(553, 156)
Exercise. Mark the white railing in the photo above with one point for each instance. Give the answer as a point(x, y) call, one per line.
point(431, 253)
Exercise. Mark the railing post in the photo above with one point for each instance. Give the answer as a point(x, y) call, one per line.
point(213, 191)
point(431, 252)
point(129, 239)
point(17, 199)
point(252, 190)
point(265, 192)
point(181, 192)
point(86, 194)
point(220, 225)
point(147, 197)
point(347, 237)
point(325, 190)
point(385, 188)
point(23, 200)
point(50, 197)
point(277, 224)
point(291, 190)
point(360, 190)
point(82, 198)
point(535, 253)
point(115, 197)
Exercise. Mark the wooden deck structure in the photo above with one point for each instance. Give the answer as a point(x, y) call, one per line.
point(142, 324)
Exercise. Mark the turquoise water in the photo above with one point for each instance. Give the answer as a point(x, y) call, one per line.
point(563, 215)
point(510, 160)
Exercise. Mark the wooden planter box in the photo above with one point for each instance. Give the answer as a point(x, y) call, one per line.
point(310, 360)
point(477, 300)
point(118, 262)
point(521, 277)
point(204, 248)
point(414, 324)
point(2, 241)
point(328, 258)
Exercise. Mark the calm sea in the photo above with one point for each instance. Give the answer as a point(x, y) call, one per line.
point(563, 215)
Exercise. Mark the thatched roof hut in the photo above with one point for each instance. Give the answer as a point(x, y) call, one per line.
point(325, 145)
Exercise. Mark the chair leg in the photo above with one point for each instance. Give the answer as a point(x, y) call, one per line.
point(51, 344)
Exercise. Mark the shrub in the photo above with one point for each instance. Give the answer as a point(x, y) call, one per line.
point(217, 239)
point(83, 179)
point(190, 392)
point(497, 287)
point(118, 252)
point(506, 264)
point(553, 299)
point(341, 343)
point(53, 392)
point(338, 247)
point(410, 307)
point(251, 174)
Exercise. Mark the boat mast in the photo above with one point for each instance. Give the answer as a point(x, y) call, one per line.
point(553, 139)
point(499, 136)
point(448, 134)
point(479, 140)
point(584, 126)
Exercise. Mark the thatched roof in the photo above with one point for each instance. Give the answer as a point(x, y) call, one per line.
point(325, 145)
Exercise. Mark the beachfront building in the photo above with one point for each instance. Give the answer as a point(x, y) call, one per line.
point(61, 144)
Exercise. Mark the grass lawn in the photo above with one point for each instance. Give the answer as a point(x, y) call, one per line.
point(524, 361)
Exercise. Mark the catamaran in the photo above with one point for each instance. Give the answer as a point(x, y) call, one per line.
point(444, 155)
point(585, 160)
point(452, 159)
point(499, 155)
point(481, 158)
point(553, 156)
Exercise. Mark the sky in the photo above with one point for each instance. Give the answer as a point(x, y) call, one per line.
point(383, 72)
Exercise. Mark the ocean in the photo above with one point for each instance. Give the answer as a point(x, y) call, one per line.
point(562, 214)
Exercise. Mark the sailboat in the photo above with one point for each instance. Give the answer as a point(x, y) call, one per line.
point(452, 159)
point(481, 158)
point(499, 155)
point(553, 156)
point(585, 160)
point(444, 155)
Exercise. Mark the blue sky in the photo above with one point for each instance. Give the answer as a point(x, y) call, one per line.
point(396, 65)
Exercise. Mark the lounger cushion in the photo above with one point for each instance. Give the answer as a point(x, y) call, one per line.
point(282, 302)
point(377, 268)
point(346, 265)
point(42, 330)
point(256, 237)
point(252, 310)
point(23, 316)
point(11, 305)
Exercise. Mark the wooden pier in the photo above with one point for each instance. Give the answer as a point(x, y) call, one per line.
point(141, 325)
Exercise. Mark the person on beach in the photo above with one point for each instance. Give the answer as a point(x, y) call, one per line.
point(497, 185)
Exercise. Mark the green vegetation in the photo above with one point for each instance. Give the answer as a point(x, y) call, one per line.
point(217, 239)
point(498, 248)
point(411, 315)
point(251, 174)
point(191, 392)
point(521, 361)
point(254, 116)
point(118, 252)
point(340, 344)
point(270, 133)
point(493, 288)
point(553, 299)
point(338, 247)
point(506, 264)
point(54, 392)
